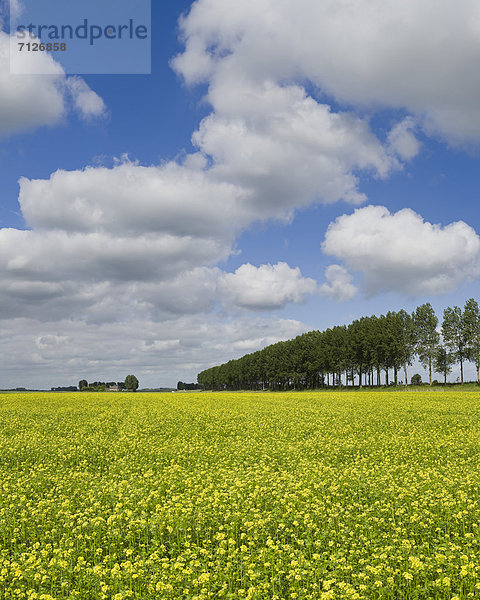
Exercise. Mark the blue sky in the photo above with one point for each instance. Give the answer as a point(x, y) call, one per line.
point(294, 167)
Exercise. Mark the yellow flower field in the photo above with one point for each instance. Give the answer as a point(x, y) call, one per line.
point(274, 496)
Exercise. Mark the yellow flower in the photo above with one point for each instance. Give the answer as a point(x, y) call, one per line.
point(203, 578)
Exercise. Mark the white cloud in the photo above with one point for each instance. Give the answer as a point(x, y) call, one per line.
point(339, 284)
point(98, 256)
point(16, 9)
point(190, 292)
point(286, 149)
point(87, 103)
point(402, 140)
point(130, 199)
point(30, 101)
point(401, 252)
point(105, 289)
point(142, 237)
point(132, 242)
point(266, 287)
point(417, 55)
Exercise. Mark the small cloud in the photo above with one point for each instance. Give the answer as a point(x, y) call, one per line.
point(339, 286)
point(267, 287)
point(402, 141)
point(87, 103)
point(52, 91)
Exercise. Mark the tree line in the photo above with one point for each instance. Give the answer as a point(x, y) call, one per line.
point(190, 387)
point(130, 383)
point(357, 354)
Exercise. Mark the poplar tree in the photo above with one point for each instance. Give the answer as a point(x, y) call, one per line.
point(427, 336)
point(443, 362)
point(408, 337)
point(471, 319)
point(455, 335)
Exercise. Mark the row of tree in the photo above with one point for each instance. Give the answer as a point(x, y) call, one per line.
point(130, 383)
point(359, 353)
point(181, 385)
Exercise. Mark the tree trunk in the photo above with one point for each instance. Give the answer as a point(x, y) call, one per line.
point(430, 369)
point(478, 369)
point(461, 370)
point(378, 377)
point(395, 375)
point(405, 371)
point(386, 376)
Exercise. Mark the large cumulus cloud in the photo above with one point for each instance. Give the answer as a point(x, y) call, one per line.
point(417, 55)
point(404, 253)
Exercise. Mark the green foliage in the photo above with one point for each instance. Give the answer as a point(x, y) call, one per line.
point(471, 320)
point(357, 353)
point(408, 336)
point(427, 336)
point(131, 383)
point(82, 384)
point(443, 362)
point(455, 334)
point(96, 387)
point(416, 379)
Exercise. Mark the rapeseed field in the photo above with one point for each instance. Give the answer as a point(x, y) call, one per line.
point(275, 496)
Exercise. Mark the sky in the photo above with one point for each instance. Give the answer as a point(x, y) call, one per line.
point(286, 166)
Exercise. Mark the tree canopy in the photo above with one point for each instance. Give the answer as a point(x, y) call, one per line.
point(358, 353)
point(131, 383)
